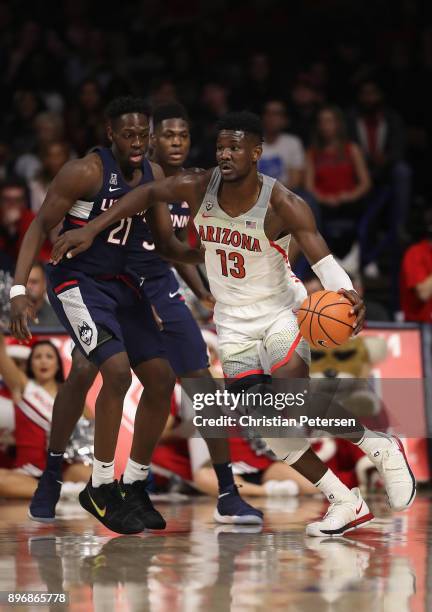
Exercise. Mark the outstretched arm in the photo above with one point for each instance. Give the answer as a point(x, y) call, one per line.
point(186, 186)
point(297, 219)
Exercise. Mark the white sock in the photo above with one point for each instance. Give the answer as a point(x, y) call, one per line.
point(332, 487)
point(135, 471)
point(103, 472)
point(373, 441)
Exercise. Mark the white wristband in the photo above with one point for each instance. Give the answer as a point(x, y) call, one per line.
point(332, 276)
point(17, 290)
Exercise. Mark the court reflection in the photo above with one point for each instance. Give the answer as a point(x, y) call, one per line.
point(195, 566)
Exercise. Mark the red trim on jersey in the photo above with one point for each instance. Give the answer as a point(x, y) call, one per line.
point(284, 254)
point(280, 250)
point(243, 374)
point(66, 284)
point(76, 221)
point(288, 355)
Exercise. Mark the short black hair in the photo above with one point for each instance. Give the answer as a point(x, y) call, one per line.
point(125, 105)
point(243, 121)
point(169, 111)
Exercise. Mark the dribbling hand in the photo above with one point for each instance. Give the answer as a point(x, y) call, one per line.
point(359, 308)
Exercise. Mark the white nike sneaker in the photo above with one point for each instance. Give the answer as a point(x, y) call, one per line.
point(342, 516)
point(393, 467)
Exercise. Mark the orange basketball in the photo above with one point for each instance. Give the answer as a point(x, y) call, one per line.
point(325, 320)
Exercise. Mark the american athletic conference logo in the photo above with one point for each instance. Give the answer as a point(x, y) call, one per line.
point(85, 333)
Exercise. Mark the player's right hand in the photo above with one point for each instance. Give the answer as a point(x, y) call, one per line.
point(71, 243)
point(21, 310)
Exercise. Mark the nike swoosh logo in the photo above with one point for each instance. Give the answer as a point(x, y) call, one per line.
point(109, 465)
point(173, 294)
point(115, 189)
point(102, 511)
point(223, 494)
point(358, 510)
point(322, 343)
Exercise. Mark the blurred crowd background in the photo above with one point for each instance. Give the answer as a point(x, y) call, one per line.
point(342, 88)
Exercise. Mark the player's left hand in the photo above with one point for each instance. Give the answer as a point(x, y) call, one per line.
point(359, 308)
point(71, 243)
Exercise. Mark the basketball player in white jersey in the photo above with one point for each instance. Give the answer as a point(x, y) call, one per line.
point(245, 221)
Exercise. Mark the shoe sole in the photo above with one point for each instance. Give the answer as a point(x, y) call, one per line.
point(82, 500)
point(237, 519)
point(414, 492)
point(361, 522)
point(40, 519)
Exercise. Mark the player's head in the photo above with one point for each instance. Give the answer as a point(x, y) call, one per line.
point(44, 364)
point(238, 145)
point(171, 135)
point(128, 130)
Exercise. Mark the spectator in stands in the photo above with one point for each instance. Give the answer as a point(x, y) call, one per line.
point(213, 105)
point(33, 393)
point(36, 290)
point(15, 218)
point(85, 120)
point(283, 154)
point(19, 128)
point(338, 179)
point(48, 127)
point(416, 277)
point(380, 132)
point(53, 156)
point(258, 86)
point(305, 103)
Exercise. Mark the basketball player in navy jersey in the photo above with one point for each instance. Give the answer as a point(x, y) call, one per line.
point(245, 220)
point(182, 338)
point(106, 314)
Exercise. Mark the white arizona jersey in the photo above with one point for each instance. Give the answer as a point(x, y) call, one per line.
point(242, 264)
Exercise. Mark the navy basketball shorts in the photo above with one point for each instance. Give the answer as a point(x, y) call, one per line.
point(184, 345)
point(105, 316)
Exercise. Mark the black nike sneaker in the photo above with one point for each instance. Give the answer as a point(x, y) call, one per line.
point(107, 504)
point(137, 498)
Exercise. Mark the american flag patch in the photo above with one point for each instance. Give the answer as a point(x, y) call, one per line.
point(251, 224)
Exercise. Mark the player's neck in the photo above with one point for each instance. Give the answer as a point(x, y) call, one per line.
point(241, 194)
point(170, 170)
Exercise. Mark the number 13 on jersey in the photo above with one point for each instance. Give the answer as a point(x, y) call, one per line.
point(232, 264)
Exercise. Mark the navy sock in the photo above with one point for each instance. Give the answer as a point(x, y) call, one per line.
point(224, 475)
point(54, 461)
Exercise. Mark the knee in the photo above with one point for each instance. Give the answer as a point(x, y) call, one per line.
point(82, 374)
point(163, 385)
point(118, 380)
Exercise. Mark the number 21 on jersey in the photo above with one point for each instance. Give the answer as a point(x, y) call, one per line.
point(232, 264)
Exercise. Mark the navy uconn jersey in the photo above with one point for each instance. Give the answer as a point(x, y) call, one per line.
point(142, 258)
point(108, 253)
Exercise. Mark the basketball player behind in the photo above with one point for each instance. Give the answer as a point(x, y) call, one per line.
point(182, 338)
point(109, 319)
point(245, 221)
